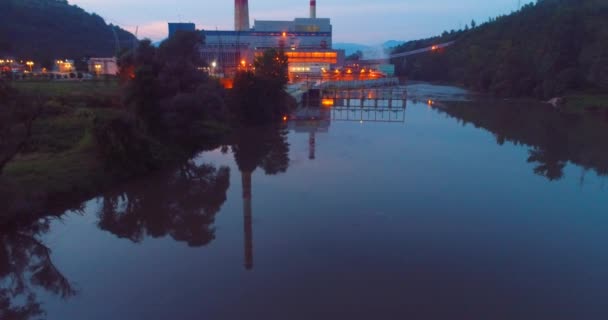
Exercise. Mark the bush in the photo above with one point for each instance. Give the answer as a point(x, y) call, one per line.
point(122, 147)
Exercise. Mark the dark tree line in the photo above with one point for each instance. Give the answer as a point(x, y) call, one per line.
point(544, 50)
point(45, 30)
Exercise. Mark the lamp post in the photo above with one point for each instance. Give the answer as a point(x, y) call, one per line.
point(31, 65)
point(97, 69)
point(213, 65)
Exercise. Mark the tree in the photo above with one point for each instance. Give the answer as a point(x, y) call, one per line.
point(168, 92)
point(358, 55)
point(272, 68)
point(260, 96)
point(45, 30)
point(544, 50)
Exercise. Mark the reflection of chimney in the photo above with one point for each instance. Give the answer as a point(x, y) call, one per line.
point(241, 15)
point(311, 145)
point(313, 9)
point(247, 219)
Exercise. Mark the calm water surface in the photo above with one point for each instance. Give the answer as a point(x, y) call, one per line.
point(458, 211)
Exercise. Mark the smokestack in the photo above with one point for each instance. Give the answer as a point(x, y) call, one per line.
point(241, 15)
point(313, 9)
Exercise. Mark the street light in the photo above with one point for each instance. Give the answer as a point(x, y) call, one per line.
point(97, 69)
point(31, 65)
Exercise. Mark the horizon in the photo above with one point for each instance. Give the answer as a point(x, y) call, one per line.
point(402, 20)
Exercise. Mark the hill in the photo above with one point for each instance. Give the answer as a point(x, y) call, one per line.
point(546, 49)
point(44, 30)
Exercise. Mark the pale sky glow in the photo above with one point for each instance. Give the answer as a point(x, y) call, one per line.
point(359, 21)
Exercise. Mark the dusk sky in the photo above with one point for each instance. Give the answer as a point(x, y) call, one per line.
point(359, 21)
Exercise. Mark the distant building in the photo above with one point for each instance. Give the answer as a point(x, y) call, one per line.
point(103, 66)
point(175, 27)
point(64, 66)
point(306, 41)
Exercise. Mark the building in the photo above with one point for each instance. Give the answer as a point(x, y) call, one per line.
point(175, 27)
point(103, 66)
point(306, 41)
point(64, 66)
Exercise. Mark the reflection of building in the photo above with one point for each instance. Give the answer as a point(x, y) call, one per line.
point(103, 66)
point(307, 42)
point(247, 219)
point(311, 121)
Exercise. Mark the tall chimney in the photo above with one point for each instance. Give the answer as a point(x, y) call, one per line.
point(241, 15)
point(313, 9)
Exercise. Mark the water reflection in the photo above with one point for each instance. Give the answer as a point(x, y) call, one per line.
point(253, 148)
point(181, 203)
point(555, 138)
point(25, 268)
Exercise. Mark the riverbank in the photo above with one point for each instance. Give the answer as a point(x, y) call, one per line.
point(62, 163)
point(573, 102)
point(584, 102)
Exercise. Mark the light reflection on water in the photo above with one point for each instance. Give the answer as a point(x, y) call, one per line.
point(459, 211)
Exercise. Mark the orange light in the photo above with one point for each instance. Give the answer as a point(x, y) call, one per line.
point(327, 102)
point(243, 63)
point(362, 70)
point(349, 71)
point(431, 102)
point(285, 118)
point(227, 83)
point(284, 34)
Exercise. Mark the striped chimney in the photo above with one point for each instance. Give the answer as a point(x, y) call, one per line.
point(241, 15)
point(313, 9)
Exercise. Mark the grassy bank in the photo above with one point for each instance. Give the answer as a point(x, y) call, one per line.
point(62, 163)
point(584, 102)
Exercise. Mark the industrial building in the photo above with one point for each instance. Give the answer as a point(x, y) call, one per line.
point(307, 43)
point(103, 66)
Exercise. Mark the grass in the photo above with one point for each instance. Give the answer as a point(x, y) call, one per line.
point(68, 88)
point(580, 102)
point(61, 164)
point(51, 174)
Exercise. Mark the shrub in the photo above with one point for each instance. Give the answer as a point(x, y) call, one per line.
point(122, 147)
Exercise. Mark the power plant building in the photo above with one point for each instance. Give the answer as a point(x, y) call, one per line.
point(307, 42)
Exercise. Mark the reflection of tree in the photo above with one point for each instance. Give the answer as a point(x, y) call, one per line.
point(183, 204)
point(264, 147)
point(549, 165)
point(556, 138)
point(25, 264)
point(267, 148)
point(551, 156)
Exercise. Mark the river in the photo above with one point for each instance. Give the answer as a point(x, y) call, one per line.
point(452, 209)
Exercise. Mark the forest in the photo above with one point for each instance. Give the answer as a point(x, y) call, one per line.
point(45, 30)
point(546, 49)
